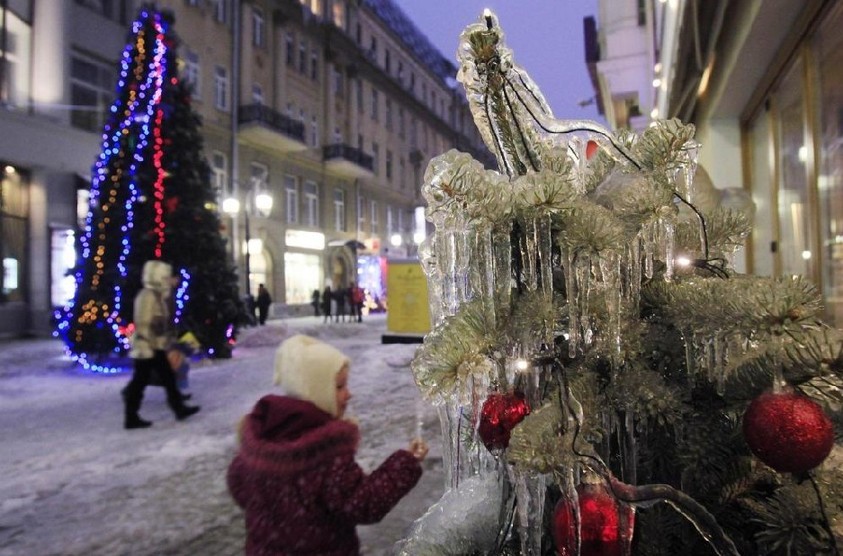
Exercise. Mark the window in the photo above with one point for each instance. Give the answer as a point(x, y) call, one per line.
point(303, 120)
point(191, 72)
point(339, 209)
point(374, 104)
point(91, 91)
point(390, 228)
point(373, 49)
point(290, 48)
point(314, 132)
point(373, 212)
point(388, 165)
point(337, 136)
point(302, 274)
point(303, 57)
point(311, 204)
point(424, 93)
point(361, 214)
point(219, 172)
point(412, 83)
point(376, 155)
point(17, 59)
point(338, 82)
point(221, 88)
point(359, 34)
point(388, 114)
point(291, 188)
point(387, 61)
point(258, 27)
point(314, 64)
point(360, 103)
point(400, 73)
point(220, 10)
point(14, 223)
point(359, 141)
point(402, 182)
point(339, 14)
point(259, 175)
point(257, 93)
point(401, 127)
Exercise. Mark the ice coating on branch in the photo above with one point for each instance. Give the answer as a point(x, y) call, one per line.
point(463, 521)
point(510, 111)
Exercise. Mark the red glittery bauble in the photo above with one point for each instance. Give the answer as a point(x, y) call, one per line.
point(788, 431)
point(499, 415)
point(606, 524)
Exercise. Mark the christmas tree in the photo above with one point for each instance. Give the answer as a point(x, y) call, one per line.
point(151, 198)
point(594, 354)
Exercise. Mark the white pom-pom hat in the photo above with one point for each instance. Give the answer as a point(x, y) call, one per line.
point(307, 369)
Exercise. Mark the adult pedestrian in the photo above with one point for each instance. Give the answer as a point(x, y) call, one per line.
point(263, 302)
point(356, 297)
point(153, 336)
point(295, 473)
point(339, 299)
point(327, 298)
point(314, 300)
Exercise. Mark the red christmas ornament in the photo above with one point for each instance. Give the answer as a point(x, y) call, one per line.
point(499, 415)
point(788, 431)
point(590, 149)
point(606, 524)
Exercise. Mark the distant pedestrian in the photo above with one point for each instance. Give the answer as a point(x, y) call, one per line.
point(314, 300)
point(356, 298)
point(263, 302)
point(327, 299)
point(295, 473)
point(153, 336)
point(339, 298)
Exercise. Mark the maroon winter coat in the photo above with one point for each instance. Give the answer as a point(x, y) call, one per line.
point(302, 492)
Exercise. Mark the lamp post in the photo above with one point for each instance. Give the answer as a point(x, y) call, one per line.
point(260, 201)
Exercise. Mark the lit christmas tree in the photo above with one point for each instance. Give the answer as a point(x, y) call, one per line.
point(150, 198)
point(594, 354)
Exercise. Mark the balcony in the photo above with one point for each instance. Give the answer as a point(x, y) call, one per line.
point(264, 127)
point(346, 161)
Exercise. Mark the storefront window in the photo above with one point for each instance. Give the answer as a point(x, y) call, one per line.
point(14, 208)
point(829, 56)
point(302, 275)
point(762, 195)
point(795, 214)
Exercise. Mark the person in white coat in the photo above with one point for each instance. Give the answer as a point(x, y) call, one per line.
point(154, 334)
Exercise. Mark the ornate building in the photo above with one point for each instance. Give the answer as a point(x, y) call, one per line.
point(330, 108)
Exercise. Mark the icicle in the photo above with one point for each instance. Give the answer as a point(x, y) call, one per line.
point(631, 455)
point(611, 276)
point(530, 490)
point(573, 304)
point(502, 270)
point(647, 240)
point(428, 260)
point(463, 240)
point(528, 254)
point(482, 270)
point(719, 369)
point(668, 233)
point(449, 420)
point(582, 270)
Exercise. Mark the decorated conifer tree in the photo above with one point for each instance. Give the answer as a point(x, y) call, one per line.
point(595, 354)
point(150, 198)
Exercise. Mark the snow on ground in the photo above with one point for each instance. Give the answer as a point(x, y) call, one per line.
point(74, 482)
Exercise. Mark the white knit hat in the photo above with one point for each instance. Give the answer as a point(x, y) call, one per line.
point(307, 368)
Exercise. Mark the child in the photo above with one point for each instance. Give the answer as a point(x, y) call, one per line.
point(295, 474)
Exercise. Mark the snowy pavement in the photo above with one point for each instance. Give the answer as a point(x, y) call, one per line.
point(73, 482)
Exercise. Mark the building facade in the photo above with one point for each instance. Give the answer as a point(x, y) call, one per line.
point(762, 83)
point(330, 108)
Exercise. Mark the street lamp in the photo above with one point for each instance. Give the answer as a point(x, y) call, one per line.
point(256, 200)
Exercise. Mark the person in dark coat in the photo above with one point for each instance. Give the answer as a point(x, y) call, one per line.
point(356, 298)
point(327, 296)
point(154, 335)
point(263, 302)
point(295, 475)
point(314, 300)
point(339, 298)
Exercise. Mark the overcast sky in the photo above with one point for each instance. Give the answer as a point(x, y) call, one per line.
point(546, 37)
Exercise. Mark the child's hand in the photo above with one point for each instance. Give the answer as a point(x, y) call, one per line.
point(418, 448)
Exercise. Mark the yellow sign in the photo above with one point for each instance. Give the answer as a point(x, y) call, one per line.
point(406, 288)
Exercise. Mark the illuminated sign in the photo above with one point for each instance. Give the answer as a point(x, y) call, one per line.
point(305, 240)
